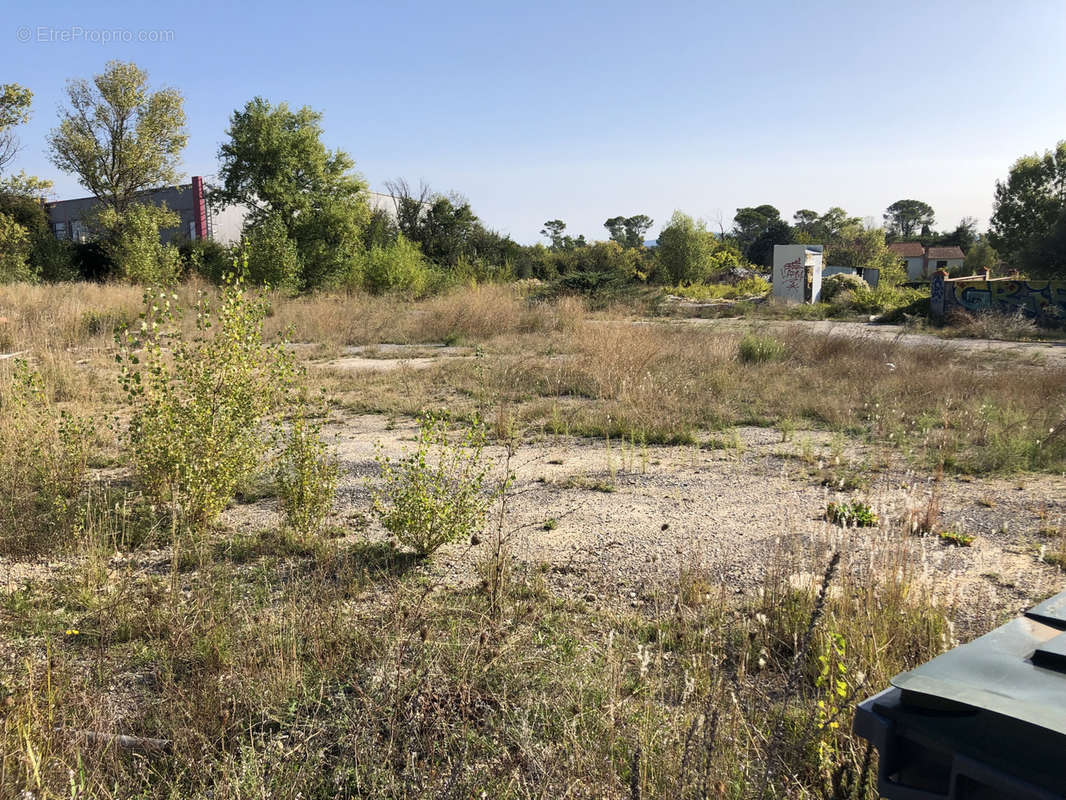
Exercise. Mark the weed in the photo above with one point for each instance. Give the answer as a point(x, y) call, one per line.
point(306, 475)
point(550, 524)
point(855, 513)
point(589, 484)
point(43, 464)
point(757, 348)
point(434, 495)
point(956, 538)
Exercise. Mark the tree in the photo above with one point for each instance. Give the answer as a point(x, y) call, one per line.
point(14, 111)
point(447, 230)
point(857, 246)
point(119, 137)
point(409, 206)
point(1028, 225)
point(554, 229)
point(684, 249)
point(906, 218)
point(761, 251)
point(964, 236)
point(980, 257)
point(275, 164)
point(751, 223)
point(804, 220)
point(629, 231)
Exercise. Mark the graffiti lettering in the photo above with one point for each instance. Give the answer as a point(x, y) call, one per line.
point(792, 272)
point(1042, 300)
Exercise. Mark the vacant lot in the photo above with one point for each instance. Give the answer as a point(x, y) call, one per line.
point(655, 606)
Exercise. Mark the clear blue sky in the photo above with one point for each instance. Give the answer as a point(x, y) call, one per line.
point(581, 112)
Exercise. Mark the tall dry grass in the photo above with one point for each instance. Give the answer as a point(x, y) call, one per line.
point(470, 313)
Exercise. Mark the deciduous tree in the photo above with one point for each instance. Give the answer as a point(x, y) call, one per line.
point(1028, 225)
point(14, 111)
point(276, 165)
point(118, 136)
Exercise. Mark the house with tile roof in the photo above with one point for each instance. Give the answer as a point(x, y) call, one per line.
point(922, 261)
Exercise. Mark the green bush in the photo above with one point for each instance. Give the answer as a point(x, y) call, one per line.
point(15, 247)
point(306, 475)
point(43, 463)
point(757, 348)
point(272, 256)
point(398, 267)
point(702, 292)
point(434, 495)
point(134, 246)
point(207, 258)
point(834, 285)
point(54, 259)
point(199, 406)
point(885, 299)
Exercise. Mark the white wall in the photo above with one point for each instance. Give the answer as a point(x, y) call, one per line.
point(791, 265)
point(915, 269)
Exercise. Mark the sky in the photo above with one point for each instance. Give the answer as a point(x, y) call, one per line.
point(584, 111)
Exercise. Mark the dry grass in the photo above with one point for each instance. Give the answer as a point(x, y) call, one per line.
point(277, 670)
point(276, 667)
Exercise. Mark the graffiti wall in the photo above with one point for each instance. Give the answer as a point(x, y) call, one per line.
point(1045, 300)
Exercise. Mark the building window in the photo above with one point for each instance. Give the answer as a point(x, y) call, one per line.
point(59, 229)
point(78, 232)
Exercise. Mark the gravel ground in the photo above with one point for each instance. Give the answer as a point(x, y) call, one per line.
point(729, 513)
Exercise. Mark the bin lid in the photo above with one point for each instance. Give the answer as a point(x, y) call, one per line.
point(1018, 670)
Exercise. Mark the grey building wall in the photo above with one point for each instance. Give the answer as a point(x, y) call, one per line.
point(224, 225)
point(68, 217)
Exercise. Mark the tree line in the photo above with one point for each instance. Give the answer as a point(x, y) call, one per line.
point(309, 224)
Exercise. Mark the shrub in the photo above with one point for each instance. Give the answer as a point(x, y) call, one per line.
point(134, 246)
point(199, 406)
point(272, 256)
point(306, 475)
point(434, 495)
point(833, 285)
point(992, 325)
point(43, 462)
point(54, 259)
point(757, 348)
point(399, 267)
point(206, 258)
point(14, 251)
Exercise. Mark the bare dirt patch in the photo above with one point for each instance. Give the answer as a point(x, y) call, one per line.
point(616, 524)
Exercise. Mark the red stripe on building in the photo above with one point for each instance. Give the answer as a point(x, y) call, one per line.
point(199, 208)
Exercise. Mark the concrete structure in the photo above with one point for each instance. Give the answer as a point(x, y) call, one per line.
point(798, 272)
point(1044, 301)
point(922, 262)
